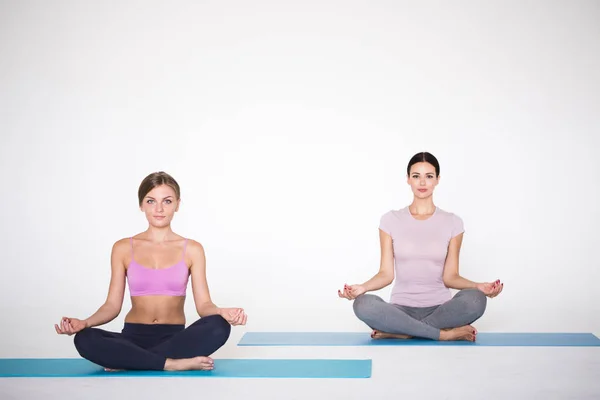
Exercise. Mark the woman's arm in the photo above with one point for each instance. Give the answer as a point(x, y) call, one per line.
point(385, 276)
point(204, 304)
point(116, 290)
point(451, 276)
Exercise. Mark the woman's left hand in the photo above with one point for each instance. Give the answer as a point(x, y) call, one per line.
point(491, 289)
point(235, 316)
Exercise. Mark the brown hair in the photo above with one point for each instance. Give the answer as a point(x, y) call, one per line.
point(156, 179)
point(424, 157)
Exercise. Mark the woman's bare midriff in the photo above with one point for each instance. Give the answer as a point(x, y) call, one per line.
point(156, 310)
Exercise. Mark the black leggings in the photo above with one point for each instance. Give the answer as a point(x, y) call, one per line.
point(147, 347)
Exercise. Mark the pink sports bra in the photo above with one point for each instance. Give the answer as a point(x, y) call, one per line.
point(171, 281)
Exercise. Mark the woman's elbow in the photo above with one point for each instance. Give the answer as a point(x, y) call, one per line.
point(387, 279)
point(113, 309)
point(449, 280)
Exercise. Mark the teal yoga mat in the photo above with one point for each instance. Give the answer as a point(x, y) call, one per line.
point(224, 368)
point(364, 339)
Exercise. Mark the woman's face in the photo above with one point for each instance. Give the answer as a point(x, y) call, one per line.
point(422, 179)
point(160, 205)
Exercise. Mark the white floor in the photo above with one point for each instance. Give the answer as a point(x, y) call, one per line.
point(398, 373)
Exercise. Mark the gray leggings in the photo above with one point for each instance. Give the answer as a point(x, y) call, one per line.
point(464, 308)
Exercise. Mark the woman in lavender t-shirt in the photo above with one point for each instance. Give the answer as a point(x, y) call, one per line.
point(420, 246)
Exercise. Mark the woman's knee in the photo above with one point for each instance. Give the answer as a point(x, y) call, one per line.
point(84, 340)
point(220, 328)
point(475, 301)
point(365, 304)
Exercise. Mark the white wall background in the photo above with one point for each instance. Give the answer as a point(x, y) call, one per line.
point(289, 126)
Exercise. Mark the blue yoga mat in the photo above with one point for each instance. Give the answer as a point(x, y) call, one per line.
point(364, 339)
point(224, 368)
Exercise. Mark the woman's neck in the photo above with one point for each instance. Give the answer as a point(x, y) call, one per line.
point(160, 235)
point(422, 206)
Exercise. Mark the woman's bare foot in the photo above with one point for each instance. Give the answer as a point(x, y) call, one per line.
point(466, 332)
point(187, 364)
point(382, 335)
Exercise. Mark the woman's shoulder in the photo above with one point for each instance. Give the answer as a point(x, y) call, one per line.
point(194, 245)
point(447, 214)
point(121, 244)
point(395, 213)
point(391, 220)
point(121, 249)
point(193, 248)
point(450, 219)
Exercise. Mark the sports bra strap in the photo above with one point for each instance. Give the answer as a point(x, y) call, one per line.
point(184, 247)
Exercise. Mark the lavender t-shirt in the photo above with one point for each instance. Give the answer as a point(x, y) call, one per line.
point(420, 249)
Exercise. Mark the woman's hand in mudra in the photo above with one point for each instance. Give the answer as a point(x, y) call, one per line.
point(235, 316)
point(70, 326)
point(351, 292)
point(491, 289)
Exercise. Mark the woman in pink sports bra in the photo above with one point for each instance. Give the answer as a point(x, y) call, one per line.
point(157, 265)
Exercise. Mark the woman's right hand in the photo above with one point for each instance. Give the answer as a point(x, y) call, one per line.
point(70, 326)
point(351, 292)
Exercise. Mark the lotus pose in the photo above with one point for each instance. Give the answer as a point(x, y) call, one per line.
point(157, 264)
point(420, 246)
